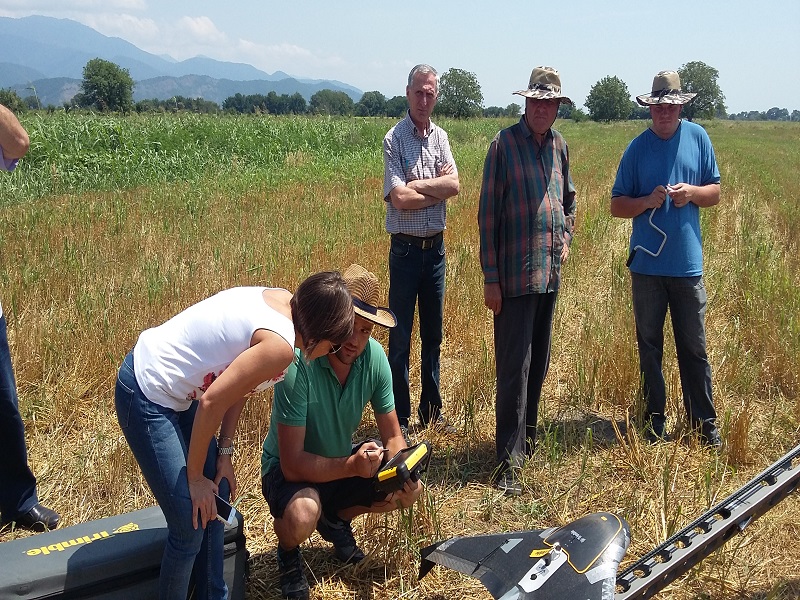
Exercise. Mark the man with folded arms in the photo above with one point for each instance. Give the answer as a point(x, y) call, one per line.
point(419, 176)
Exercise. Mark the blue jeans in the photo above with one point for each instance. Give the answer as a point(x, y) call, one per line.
point(159, 439)
point(685, 297)
point(416, 275)
point(17, 483)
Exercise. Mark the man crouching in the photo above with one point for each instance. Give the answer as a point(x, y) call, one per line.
point(312, 477)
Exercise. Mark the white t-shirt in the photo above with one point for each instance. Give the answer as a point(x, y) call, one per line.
point(178, 360)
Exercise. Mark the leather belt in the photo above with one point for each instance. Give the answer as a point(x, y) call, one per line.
point(426, 243)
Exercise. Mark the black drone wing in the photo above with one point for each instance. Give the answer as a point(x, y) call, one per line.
point(579, 560)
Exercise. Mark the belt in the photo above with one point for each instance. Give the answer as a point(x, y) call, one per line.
point(426, 243)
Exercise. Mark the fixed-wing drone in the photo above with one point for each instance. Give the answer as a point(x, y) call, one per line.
point(580, 561)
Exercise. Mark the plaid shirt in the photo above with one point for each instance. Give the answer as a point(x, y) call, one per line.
point(409, 154)
point(526, 212)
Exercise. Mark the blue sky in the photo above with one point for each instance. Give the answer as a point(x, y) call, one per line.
point(755, 46)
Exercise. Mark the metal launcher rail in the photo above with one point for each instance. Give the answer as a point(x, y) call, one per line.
point(660, 567)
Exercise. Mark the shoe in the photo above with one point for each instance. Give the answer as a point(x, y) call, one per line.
point(39, 518)
point(712, 440)
point(654, 436)
point(508, 483)
point(339, 533)
point(406, 437)
point(440, 423)
point(294, 584)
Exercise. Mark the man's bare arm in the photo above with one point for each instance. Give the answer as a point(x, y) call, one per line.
point(13, 138)
point(701, 195)
point(299, 465)
point(445, 186)
point(628, 207)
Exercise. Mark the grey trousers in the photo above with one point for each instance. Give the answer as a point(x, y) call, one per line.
point(522, 334)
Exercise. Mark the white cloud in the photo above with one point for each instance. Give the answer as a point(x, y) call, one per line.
point(188, 36)
point(291, 58)
point(185, 38)
point(274, 51)
point(133, 29)
point(201, 31)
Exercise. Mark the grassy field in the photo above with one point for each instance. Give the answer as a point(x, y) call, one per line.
point(111, 225)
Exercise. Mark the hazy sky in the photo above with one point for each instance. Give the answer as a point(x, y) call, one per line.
point(755, 46)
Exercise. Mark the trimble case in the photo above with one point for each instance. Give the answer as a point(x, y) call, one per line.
point(108, 558)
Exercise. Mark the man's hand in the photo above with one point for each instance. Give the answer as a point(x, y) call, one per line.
point(445, 169)
point(564, 252)
point(202, 491)
point(407, 495)
point(493, 297)
point(681, 193)
point(367, 460)
point(656, 198)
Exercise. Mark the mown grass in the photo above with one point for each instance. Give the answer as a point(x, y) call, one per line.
point(111, 225)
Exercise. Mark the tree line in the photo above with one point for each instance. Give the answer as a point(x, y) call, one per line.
point(109, 87)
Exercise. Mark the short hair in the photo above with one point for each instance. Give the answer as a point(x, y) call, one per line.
point(423, 69)
point(322, 309)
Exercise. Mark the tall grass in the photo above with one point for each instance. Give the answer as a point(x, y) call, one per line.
point(78, 153)
point(111, 225)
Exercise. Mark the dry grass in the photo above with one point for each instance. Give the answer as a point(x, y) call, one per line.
point(82, 275)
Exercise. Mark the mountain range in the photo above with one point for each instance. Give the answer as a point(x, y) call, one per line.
point(45, 57)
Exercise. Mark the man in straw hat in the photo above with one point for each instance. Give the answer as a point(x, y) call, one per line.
point(312, 478)
point(526, 217)
point(666, 175)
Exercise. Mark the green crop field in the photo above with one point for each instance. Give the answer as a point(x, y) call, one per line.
point(113, 224)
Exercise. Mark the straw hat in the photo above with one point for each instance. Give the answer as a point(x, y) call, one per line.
point(363, 286)
point(666, 90)
point(544, 84)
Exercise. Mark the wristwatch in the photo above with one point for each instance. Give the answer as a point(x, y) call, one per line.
point(226, 450)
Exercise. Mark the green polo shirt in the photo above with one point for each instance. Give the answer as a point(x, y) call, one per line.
point(310, 396)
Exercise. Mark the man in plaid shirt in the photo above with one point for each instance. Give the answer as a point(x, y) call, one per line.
point(419, 176)
point(526, 218)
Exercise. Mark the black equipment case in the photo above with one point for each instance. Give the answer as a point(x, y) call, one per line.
point(115, 557)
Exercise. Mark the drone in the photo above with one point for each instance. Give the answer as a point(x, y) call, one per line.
point(580, 561)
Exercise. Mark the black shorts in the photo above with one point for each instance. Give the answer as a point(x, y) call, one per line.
point(334, 495)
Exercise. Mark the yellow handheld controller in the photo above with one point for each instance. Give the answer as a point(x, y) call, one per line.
point(409, 463)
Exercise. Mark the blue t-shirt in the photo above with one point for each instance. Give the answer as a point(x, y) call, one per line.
point(649, 161)
point(7, 164)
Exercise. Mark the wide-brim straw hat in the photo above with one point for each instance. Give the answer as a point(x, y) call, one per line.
point(363, 286)
point(544, 84)
point(666, 90)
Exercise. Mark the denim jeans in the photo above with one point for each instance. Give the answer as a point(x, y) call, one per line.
point(159, 439)
point(17, 483)
point(685, 297)
point(416, 275)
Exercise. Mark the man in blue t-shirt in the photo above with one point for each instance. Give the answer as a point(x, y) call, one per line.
point(666, 175)
point(312, 477)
